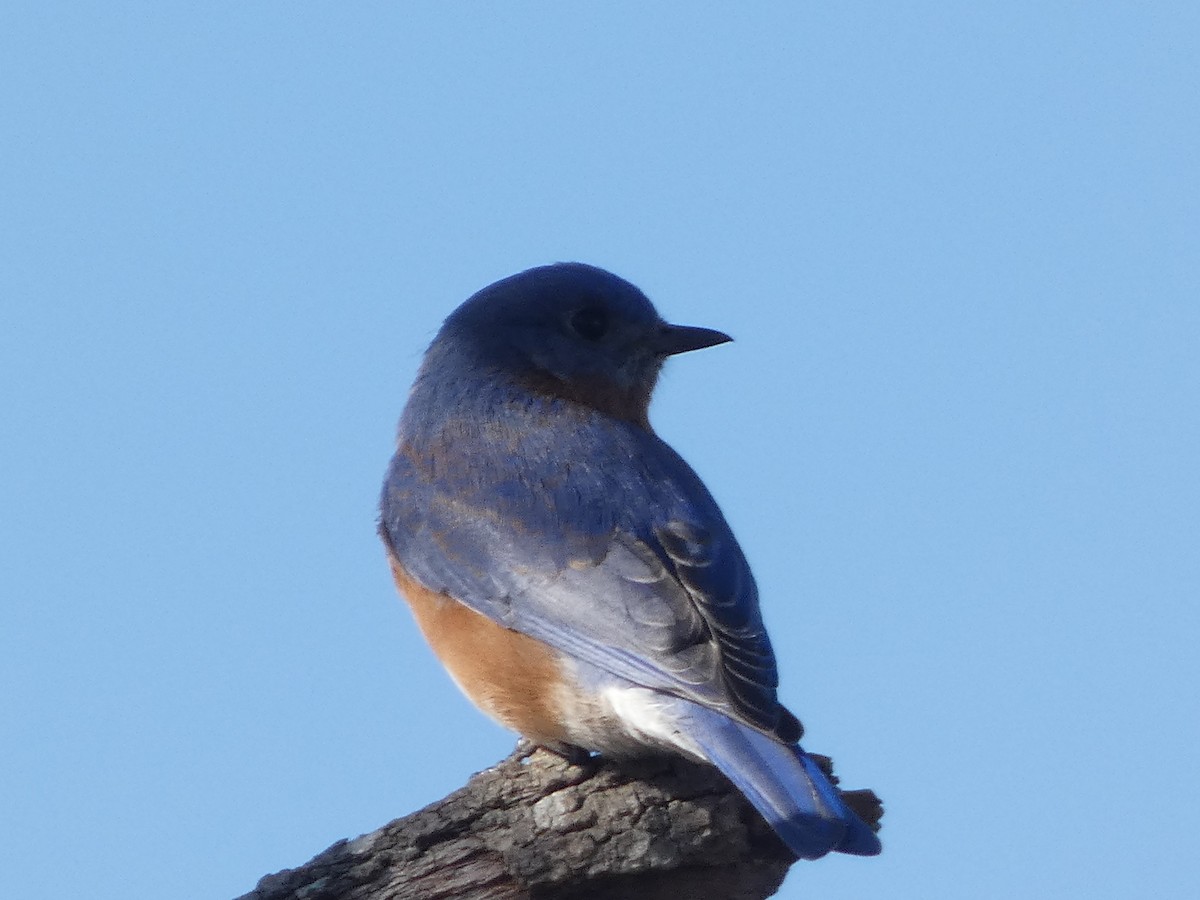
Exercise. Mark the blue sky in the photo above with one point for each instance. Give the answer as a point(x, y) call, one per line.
point(957, 434)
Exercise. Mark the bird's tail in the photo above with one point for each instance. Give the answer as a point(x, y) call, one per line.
point(785, 785)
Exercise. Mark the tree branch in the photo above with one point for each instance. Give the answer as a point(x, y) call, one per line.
point(539, 828)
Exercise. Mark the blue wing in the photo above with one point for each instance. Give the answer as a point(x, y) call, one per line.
point(627, 564)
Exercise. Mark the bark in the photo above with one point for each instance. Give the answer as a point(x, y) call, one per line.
point(539, 828)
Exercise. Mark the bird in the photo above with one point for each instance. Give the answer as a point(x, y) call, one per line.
point(570, 570)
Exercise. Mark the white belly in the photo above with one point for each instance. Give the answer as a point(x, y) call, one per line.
point(628, 722)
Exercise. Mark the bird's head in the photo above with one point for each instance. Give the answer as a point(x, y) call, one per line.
point(572, 331)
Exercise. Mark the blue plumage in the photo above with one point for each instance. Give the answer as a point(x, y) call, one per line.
point(785, 786)
point(528, 486)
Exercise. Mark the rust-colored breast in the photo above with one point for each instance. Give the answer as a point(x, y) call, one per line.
point(512, 677)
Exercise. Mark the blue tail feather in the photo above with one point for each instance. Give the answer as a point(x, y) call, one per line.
point(784, 785)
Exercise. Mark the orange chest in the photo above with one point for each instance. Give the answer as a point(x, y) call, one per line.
point(510, 676)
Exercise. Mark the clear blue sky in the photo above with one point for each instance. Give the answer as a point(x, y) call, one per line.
point(958, 245)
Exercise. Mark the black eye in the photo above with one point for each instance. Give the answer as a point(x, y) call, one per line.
point(591, 323)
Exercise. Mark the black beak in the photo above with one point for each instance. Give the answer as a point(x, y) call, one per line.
point(682, 338)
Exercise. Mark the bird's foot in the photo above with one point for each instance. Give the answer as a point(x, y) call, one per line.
point(569, 753)
point(524, 749)
point(573, 755)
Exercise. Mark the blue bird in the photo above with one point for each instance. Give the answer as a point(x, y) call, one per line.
point(570, 570)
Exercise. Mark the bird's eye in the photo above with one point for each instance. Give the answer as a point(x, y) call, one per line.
point(591, 323)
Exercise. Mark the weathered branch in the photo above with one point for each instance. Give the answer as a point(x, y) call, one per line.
point(539, 828)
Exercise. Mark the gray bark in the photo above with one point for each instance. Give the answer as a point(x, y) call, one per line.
point(540, 828)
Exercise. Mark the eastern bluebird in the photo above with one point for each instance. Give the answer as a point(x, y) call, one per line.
point(571, 571)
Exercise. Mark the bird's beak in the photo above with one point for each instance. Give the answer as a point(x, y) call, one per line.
point(682, 338)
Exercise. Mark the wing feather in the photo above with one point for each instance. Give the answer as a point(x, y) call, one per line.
point(657, 592)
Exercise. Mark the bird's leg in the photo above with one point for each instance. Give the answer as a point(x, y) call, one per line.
point(524, 749)
point(574, 756)
point(570, 753)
